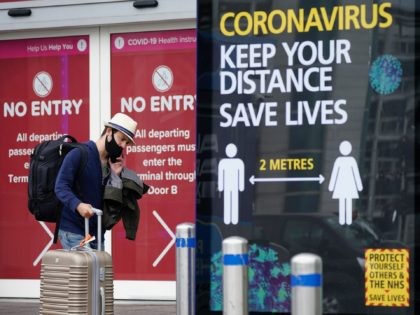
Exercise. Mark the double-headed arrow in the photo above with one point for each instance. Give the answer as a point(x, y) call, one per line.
point(319, 179)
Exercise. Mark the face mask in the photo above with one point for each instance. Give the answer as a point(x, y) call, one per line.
point(113, 149)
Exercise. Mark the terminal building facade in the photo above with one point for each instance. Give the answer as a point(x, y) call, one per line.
point(67, 67)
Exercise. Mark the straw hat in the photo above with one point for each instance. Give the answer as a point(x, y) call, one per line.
point(123, 123)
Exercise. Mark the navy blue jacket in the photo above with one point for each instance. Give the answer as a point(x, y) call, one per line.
point(87, 188)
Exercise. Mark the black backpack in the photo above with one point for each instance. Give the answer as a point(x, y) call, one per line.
point(45, 162)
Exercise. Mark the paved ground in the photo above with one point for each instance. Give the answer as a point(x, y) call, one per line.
point(30, 307)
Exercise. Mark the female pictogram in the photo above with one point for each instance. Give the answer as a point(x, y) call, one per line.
point(345, 182)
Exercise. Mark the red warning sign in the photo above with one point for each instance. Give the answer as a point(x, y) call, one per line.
point(153, 80)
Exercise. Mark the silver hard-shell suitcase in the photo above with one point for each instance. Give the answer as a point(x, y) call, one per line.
point(77, 281)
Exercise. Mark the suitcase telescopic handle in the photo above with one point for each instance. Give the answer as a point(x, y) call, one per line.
point(98, 213)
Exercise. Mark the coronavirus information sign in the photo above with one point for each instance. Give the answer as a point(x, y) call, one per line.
point(160, 95)
point(305, 144)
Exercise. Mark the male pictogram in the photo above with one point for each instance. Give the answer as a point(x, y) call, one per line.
point(231, 180)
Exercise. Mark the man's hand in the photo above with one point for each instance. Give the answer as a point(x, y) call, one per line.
point(85, 210)
point(118, 165)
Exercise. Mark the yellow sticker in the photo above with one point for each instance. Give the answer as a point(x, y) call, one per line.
point(387, 277)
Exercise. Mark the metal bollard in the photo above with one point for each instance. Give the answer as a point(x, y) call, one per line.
point(235, 276)
point(306, 284)
point(185, 269)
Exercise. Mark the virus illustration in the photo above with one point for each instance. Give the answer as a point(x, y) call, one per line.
point(269, 281)
point(385, 74)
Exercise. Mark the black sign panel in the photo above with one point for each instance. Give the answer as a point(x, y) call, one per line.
point(306, 138)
